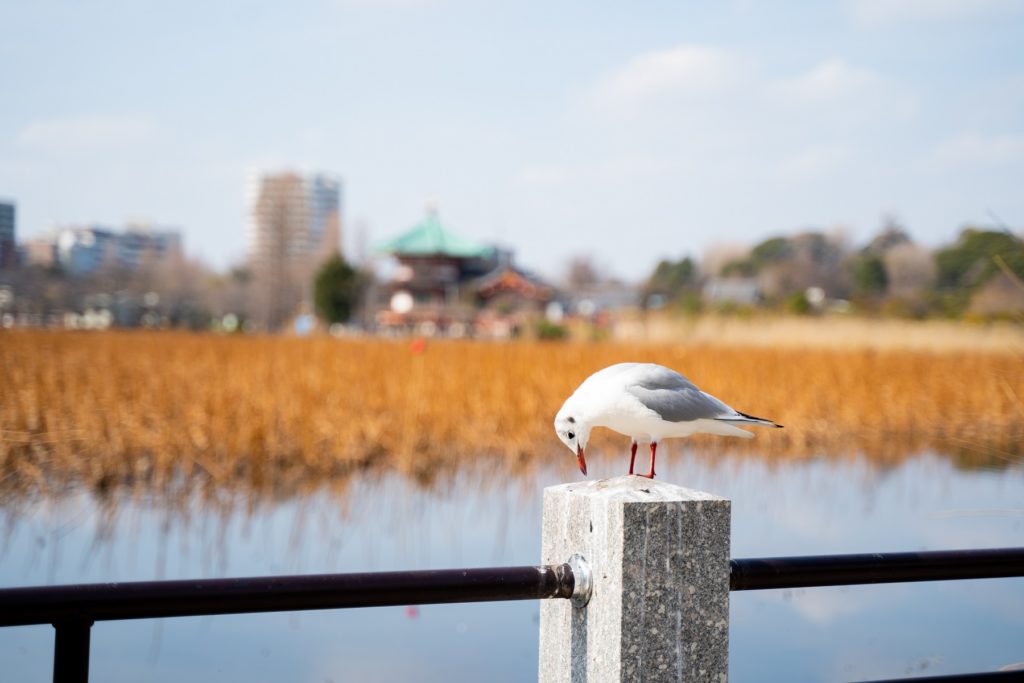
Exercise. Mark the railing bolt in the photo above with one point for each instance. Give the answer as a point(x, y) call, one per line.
point(583, 583)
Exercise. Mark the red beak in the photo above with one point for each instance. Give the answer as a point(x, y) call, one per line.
point(583, 463)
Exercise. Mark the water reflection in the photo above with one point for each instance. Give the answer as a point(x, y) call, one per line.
point(491, 516)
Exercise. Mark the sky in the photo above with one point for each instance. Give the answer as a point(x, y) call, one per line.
point(624, 132)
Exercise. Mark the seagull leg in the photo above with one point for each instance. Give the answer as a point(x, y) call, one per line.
point(654, 450)
point(632, 457)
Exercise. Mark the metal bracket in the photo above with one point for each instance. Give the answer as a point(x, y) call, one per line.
point(583, 583)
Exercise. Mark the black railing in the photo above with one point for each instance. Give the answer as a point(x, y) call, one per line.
point(202, 597)
point(73, 609)
point(1001, 676)
point(841, 570)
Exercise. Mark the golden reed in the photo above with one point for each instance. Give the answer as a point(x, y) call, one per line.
point(131, 408)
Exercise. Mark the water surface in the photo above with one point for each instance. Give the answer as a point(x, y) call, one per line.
point(378, 523)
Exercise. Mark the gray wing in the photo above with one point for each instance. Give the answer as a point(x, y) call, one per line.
point(675, 398)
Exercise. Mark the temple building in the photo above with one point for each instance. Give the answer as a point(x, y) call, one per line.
point(448, 284)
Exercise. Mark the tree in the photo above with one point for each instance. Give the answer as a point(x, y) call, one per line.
point(971, 261)
point(739, 268)
point(909, 269)
point(771, 250)
point(869, 277)
point(891, 236)
point(337, 289)
point(673, 281)
point(967, 266)
point(672, 278)
point(583, 273)
point(788, 265)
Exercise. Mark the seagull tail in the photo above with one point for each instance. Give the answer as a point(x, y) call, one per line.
point(743, 418)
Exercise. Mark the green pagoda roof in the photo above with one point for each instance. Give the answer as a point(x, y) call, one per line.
point(430, 238)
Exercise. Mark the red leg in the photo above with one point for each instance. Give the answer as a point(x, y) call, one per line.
point(632, 457)
point(654, 450)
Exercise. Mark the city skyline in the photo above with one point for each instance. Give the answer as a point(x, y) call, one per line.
point(629, 134)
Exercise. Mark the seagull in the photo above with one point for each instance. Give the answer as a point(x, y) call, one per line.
point(648, 403)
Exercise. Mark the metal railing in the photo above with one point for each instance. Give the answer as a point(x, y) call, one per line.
point(72, 609)
point(844, 570)
point(203, 597)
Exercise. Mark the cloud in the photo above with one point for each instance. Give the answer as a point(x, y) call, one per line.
point(973, 149)
point(886, 12)
point(830, 80)
point(709, 88)
point(681, 70)
point(844, 92)
point(671, 129)
point(822, 607)
point(85, 133)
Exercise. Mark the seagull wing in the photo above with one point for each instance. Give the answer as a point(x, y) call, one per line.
point(673, 397)
point(681, 405)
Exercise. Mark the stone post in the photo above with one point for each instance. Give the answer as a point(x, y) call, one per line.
point(659, 559)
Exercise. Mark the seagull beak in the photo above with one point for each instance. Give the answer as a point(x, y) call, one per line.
point(583, 463)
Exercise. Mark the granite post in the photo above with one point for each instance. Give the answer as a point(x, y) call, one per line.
point(659, 559)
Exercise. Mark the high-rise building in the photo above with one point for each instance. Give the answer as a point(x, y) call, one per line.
point(81, 251)
point(8, 248)
point(294, 226)
point(85, 250)
point(293, 215)
point(142, 242)
point(40, 251)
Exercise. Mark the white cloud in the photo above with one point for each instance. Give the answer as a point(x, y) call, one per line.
point(664, 133)
point(972, 149)
point(684, 69)
point(85, 133)
point(830, 80)
point(823, 607)
point(881, 12)
point(843, 92)
point(707, 89)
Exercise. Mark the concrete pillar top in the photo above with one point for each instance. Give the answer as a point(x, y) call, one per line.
point(633, 489)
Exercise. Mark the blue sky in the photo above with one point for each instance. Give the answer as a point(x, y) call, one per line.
point(626, 131)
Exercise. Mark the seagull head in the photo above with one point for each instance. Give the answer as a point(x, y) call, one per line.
point(574, 432)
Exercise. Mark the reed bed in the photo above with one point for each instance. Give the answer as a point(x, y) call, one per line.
point(764, 329)
point(169, 410)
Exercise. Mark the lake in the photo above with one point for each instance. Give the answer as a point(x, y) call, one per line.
point(817, 505)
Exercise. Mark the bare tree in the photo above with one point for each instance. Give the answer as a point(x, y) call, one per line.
point(910, 270)
point(811, 259)
point(718, 255)
point(582, 272)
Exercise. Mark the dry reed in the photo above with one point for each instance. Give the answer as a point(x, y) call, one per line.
point(169, 409)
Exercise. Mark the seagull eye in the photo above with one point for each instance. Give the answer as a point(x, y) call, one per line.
point(571, 436)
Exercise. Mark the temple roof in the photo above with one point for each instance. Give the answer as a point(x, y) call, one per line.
point(510, 279)
point(430, 238)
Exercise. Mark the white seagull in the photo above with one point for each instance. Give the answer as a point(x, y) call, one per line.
point(648, 403)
